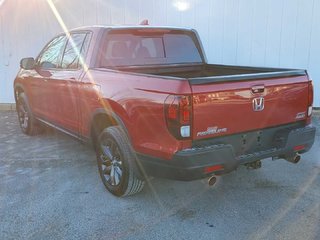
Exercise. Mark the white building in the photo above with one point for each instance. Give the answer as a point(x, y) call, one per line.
point(273, 33)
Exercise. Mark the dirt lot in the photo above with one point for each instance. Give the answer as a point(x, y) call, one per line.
point(50, 189)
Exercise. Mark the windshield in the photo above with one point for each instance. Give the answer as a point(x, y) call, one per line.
point(137, 47)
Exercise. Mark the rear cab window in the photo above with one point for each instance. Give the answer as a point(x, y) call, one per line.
point(136, 47)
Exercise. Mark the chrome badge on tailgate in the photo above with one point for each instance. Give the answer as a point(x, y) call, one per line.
point(211, 131)
point(258, 104)
point(300, 115)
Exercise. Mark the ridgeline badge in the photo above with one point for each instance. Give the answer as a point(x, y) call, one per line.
point(211, 131)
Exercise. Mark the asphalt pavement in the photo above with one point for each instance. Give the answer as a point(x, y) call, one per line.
point(50, 189)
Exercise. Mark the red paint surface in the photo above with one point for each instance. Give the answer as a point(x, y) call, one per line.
point(229, 105)
point(68, 99)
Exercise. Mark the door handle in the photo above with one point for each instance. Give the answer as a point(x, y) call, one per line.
point(258, 89)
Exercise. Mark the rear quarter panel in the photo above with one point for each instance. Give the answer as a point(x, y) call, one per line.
point(139, 101)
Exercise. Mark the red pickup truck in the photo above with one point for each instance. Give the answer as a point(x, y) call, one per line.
point(151, 105)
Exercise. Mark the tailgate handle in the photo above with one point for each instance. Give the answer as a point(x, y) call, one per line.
point(257, 89)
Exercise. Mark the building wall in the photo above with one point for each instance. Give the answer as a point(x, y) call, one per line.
point(273, 33)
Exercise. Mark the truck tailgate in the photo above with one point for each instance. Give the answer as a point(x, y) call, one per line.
point(224, 108)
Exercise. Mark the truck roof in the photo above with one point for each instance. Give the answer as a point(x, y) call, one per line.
point(120, 27)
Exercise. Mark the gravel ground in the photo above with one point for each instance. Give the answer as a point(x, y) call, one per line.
point(50, 189)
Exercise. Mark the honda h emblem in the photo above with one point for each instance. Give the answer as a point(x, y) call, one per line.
point(258, 104)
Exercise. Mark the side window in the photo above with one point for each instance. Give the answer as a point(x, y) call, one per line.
point(76, 45)
point(51, 56)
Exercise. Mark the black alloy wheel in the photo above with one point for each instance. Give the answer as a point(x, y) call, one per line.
point(116, 161)
point(28, 124)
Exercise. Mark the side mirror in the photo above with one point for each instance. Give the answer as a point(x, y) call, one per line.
point(27, 63)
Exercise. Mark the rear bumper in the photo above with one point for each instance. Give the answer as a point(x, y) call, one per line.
point(190, 164)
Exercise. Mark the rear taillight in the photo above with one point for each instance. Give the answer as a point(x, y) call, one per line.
point(310, 99)
point(178, 116)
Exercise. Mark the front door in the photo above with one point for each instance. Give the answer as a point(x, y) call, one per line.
point(48, 62)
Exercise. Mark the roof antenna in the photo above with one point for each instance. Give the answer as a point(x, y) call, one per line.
point(144, 22)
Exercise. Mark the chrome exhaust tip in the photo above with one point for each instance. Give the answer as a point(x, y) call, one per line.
point(297, 158)
point(212, 181)
point(294, 159)
point(254, 165)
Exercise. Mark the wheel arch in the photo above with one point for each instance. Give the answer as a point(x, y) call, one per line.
point(101, 119)
point(18, 88)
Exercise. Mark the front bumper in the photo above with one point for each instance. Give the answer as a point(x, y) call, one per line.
point(190, 164)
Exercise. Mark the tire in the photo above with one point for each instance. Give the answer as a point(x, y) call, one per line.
point(115, 159)
point(27, 122)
